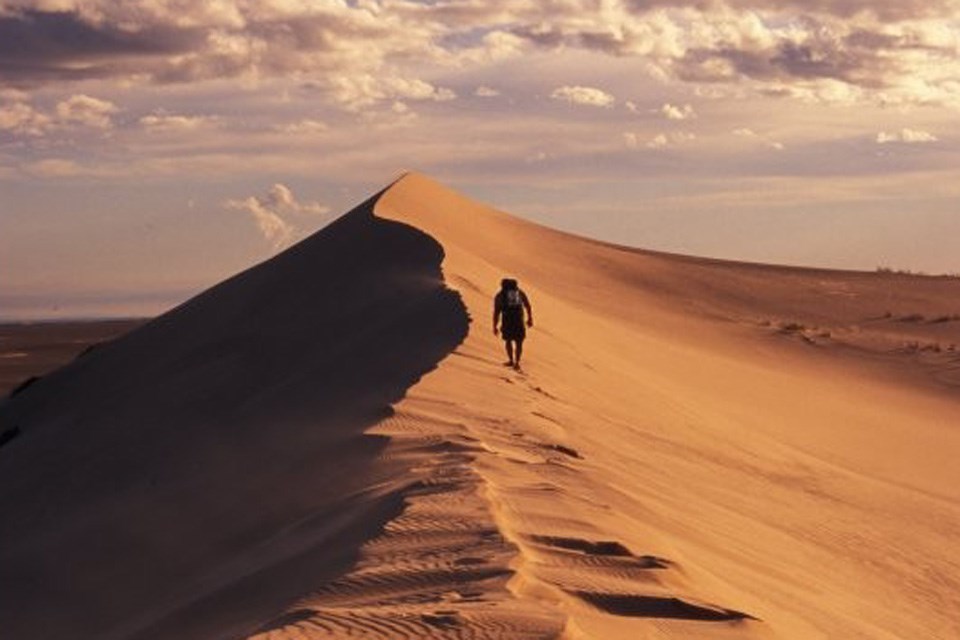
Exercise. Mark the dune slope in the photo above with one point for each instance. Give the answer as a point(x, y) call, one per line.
point(193, 476)
point(687, 453)
point(695, 448)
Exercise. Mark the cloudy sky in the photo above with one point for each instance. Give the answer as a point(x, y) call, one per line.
point(149, 148)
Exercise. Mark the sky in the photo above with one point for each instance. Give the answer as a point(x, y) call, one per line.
point(151, 148)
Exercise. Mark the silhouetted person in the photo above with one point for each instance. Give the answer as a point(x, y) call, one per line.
point(510, 304)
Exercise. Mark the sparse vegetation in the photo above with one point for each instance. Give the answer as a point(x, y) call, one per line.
point(899, 272)
point(911, 272)
point(914, 346)
point(919, 317)
point(802, 331)
point(791, 327)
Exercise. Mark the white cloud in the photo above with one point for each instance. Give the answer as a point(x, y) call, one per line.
point(658, 141)
point(360, 91)
point(275, 211)
point(484, 91)
point(22, 119)
point(306, 126)
point(906, 136)
point(496, 46)
point(589, 96)
point(85, 111)
point(750, 134)
point(675, 112)
point(863, 50)
point(661, 140)
point(417, 89)
point(275, 229)
point(161, 121)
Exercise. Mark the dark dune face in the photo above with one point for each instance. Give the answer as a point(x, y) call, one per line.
point(185, 462)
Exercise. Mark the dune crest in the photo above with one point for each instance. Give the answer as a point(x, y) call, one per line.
point(195, 475)
point(695, 448)
point(677, 460)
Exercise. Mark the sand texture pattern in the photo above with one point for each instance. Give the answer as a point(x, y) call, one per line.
point(328, 446)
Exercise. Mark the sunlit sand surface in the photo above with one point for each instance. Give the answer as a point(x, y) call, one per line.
point(328, 446)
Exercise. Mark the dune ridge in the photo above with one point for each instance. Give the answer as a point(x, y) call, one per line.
point(196, 474)
point(687, 454)
point(695, 448)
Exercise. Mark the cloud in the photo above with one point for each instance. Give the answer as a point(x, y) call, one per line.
point(40, 45)
point(750, 134)
point(484, 91)
point(674, 112)
point(891, 56)
point(275, 212)
point(275, 229)
point(589, 96)
point(906, 136)
point(306, 126)
point(536, 157)
point(54, 168)
point(21, 118)
point(169, 41)
point(360, 91)
point(14, 95)
point(660, 140)
point(417, 89)
point(167, 122)
point(887, 10)
point(85, 111)
point(364, 53)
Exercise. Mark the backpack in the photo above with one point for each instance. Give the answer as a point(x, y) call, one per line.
point(512, 299)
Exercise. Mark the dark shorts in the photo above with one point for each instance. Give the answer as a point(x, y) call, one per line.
point(513, 328)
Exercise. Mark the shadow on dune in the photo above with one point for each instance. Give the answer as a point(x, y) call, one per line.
point(196, 475)
point(642, 606)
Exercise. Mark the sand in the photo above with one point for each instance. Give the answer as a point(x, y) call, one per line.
point(328, 445)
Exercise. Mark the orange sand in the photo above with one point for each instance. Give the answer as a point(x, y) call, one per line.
point(695, 449)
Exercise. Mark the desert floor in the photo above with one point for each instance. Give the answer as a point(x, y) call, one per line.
point(29, 349)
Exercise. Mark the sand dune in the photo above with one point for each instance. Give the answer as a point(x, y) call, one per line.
point(28, 350)
point(695, 448)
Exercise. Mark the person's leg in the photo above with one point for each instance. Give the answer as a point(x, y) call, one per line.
point(509, 346)
point(519, 352)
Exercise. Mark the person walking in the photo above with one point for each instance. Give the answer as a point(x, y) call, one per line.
point(509, 305)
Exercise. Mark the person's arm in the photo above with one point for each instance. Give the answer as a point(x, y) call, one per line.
point(496, 315)
point(526, 304)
